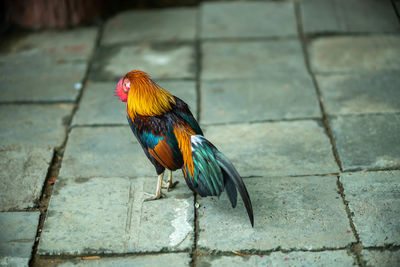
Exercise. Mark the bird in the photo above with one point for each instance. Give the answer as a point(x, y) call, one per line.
point(172, 139)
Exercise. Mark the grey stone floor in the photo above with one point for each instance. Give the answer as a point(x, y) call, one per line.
point(303, 96)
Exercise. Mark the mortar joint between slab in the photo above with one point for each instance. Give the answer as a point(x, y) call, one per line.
point(198, 57)
point(249, 252)
point(395, 9)
point(355, 247)
point(195, 251)
point(303, 41)
point(56, 162)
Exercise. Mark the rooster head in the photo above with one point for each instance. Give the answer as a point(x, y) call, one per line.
point(122, 90)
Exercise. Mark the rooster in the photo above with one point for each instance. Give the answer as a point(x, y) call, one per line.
point(172, 139)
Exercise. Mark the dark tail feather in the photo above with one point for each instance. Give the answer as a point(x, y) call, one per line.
point(230, 189)
point(234, 176)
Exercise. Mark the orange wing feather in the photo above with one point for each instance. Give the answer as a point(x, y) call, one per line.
point(163, 154)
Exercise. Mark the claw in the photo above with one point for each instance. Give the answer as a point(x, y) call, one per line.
point(154, 197)
point(170, 184)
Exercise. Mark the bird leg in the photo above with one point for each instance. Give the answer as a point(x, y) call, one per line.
point(170, 185)
point(159, 194)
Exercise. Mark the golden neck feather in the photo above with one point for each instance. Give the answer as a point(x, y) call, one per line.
point(147, 98)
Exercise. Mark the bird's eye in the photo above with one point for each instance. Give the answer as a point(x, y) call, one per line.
point(127, 86)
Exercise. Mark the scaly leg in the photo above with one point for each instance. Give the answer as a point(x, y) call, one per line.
point(170, 185)
point(159, 194)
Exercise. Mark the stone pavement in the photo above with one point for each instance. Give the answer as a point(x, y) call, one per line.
point(303, 96)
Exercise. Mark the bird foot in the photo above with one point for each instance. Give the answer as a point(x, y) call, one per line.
point(154, 197)
point(170, 185)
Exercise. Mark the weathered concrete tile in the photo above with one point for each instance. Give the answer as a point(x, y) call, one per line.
point(17, 236)
point(22, 174)
point(372, 92)
point(82, 210)
point(290, 213)
point(374, 200)
point(170, 259)
point(33, 77)
point(33, 125)
point(275, 149)
point(247, 19)
point(159, 60)
point(323, 258)
point(278, 97)
point(348, 16)
point(105, 152)
point(61, 46)
point(355, 53)
point(367, 141)
point(380, 258)
point(99, 106)
point(251, 59)
point(171, 24)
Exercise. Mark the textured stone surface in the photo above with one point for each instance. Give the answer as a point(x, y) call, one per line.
point(151, 25)
point(170, 259)
point(247, 19)
point(375, 92)
point(71, 45)
point(355, 53)
point(83, 210)
point(367, 141)
point(290, 213)
point(105, 152)
point(100, 106)
point(321, 16)
point(381, 258)
point(22, 174)
point(30, 76)
point(33, 125)
point(275, 149)
point(17, 236)
point(159, 60)
point(251, 59)
point(374, 199)
point(278, 97)
point(324, 258)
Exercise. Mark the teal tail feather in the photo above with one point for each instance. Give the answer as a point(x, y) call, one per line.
point(213, 172)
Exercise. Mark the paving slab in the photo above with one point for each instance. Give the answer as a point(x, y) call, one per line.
point(343, 54)
point(99, 106)
point(105, 152)
point(289, 213)
point(82, 210)
point(170, 24)
point(33, 125)
point(29, 76)
point(275, 149)
point(367, 142)
point(348, 16)
point(60, 46)
point(323, 258)
point(278, 97)
point(17, 237)
point(22, 174)
point(247, 19)
point(160, 60)
point(372, 92)
point(256, 59)
point(374, 200)
point(170, 259)
point(384, 258)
